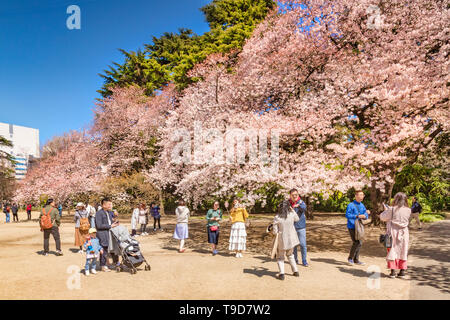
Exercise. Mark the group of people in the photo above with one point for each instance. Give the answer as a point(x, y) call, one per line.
point(92, 230)
point(14, 209)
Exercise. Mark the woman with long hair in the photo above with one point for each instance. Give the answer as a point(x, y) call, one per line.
point(397, 218)
point(238, 234)
point(82, 225)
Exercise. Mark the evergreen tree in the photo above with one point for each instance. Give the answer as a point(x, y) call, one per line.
point(172, 55)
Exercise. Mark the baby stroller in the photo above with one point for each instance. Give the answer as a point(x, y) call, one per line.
point(129, 250)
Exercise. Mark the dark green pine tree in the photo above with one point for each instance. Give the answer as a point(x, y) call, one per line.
point(172, 55)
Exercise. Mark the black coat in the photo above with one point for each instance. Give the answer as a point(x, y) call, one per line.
point(103, 226)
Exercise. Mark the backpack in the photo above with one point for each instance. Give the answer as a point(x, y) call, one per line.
point(46, 220)
point(84, 224)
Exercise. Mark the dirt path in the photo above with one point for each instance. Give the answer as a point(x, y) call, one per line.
point(196, 274)
point(430, 262)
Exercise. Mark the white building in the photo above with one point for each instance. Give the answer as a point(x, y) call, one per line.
point(25, 145)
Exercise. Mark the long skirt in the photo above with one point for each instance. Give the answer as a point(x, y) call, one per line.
point(238, 237)
point(397, 264)
point(181, 231)
point(80, 237)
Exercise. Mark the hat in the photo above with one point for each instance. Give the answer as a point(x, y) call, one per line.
point(92, 230)
point(80, 204)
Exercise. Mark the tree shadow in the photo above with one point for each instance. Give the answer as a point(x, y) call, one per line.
point(260, 272)
point(74, 250)
point(41, 252)
point(436, 276)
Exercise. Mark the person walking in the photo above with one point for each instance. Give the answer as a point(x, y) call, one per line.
point(91, 210)
point(52, 216)
point(156, 216)
point(238, 234)
point(355, 210)
point(299, 207)
point(213, 217)
point(181, 229)
point(15, 210)
point(143, 218)
point(104, 222)
point(283, 227)
point(397, 218)
point(134, 220)
point(82, 225)
point(60, 208)
point(29, 208)
point(416, 209)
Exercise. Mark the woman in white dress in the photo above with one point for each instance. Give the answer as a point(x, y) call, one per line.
point(143, 218)
point(134, 220)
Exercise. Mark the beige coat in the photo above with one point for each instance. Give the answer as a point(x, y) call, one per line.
point(287, 238)
point(397, 227)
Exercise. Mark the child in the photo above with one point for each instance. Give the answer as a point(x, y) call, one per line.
point(93, 248)
point(181, 229)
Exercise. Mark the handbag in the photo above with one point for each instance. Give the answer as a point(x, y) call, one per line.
point(386, 239)
point(359, 227)
point(213, 228)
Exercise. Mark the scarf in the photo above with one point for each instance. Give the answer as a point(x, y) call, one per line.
point(293, 203)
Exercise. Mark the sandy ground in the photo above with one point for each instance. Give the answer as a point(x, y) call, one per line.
point(196, 274)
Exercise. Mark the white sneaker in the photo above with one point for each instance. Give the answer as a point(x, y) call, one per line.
point(86, 272)
point(106, 269)
point(154, 229)
point(237, 254)
point(93, 271)
point(80, 251)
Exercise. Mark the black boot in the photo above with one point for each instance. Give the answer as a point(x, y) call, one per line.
point(401, 274)
point(392, 275)
point(296, 274)
point(280, 276)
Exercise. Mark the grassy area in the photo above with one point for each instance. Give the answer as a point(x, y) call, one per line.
point(432, 217)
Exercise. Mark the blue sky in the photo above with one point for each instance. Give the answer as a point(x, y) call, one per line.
point(49, 74)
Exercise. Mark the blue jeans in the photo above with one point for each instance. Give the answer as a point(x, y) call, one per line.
point(92, 222)
point(7, 217)
point(301, 233)
point(92, 262)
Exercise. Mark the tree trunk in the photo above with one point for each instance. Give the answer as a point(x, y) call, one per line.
point(309, 209)
point(375, 200)
point(161, 201)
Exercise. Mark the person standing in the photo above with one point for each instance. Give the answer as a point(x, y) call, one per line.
point(60, 208)
point(238, 234)
point(355, 210)
point(299, 207)
point(29, 207)
point(82, 225)
point(6, 210)
point(93, 249)
point(52, 213)
point(104, 222)
point(283, 225)
point(213, 217)
point(143, 218)
point(156, 216)
point(416, 209)
point(91, 210)
point(181, 229)
point(134, 220)
point(15, 210)
point(397, 218)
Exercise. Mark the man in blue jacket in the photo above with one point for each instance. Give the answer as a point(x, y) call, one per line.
point(355, 210)
point(300, 226)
